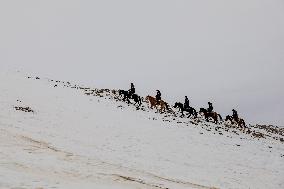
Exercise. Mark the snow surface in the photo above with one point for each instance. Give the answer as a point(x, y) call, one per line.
point(74, 140)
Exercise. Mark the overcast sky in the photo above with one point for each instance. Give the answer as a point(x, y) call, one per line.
point(225, 51)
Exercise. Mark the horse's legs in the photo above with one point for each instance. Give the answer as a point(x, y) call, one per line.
point(206, 117)
point(136, 100)
point(162, 108)
point(195, 114)
point(216, 120)
point(189, 114)
point(140, 101)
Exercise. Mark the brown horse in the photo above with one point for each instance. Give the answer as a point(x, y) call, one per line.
point(153, 103)
point(213, 115)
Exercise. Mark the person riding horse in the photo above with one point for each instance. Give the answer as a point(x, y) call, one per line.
point(158, 97)
point(235, 115)
point(131, 91)
point(210, 108)
point(186, 103)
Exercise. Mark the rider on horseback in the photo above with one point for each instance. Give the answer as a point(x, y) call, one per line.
point(186, 103)
point(131, 91)
point(210, 108)
point(158, 97)
point(235, 115)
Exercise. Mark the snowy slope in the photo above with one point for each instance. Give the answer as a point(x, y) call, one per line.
point(74, 140)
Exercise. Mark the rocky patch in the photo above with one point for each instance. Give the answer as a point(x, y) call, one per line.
point(24, 109)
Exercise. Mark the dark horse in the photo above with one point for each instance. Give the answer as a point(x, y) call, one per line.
point(240, 122)
point(190, 110)
point(126, 96)
point(213, 115)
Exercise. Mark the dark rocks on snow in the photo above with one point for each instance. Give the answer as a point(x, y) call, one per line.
point(24, 109)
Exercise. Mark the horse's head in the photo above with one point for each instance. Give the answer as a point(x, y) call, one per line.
point(202, 110)
point(228, 118)
point(112, 91)
point(120, 92)
point(176, 105)
point(242, 122)
point(147, 98)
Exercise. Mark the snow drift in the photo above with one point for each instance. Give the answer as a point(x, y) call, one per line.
point(54, 134)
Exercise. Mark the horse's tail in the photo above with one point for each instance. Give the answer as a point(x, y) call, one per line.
point(244, 122)
point(140, 100)
point(227, 118)
point(220, 117)
point(194, 112)
point(167, 106)
point(119, 92)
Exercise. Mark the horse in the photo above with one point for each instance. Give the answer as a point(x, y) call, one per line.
point(190, 110)
point(153, 103)
point(213, 115)
point(127, 96)
point(240, 122)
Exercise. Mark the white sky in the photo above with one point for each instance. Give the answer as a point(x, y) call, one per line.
point(225, 51)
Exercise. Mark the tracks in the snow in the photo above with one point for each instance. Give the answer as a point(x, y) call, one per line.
point(76, 166)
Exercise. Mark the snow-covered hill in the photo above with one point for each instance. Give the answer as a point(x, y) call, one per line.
point(55, 134)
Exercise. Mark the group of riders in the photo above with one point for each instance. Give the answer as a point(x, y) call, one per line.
point(131, 93)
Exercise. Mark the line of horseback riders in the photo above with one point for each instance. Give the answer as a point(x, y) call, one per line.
point(183, 107)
